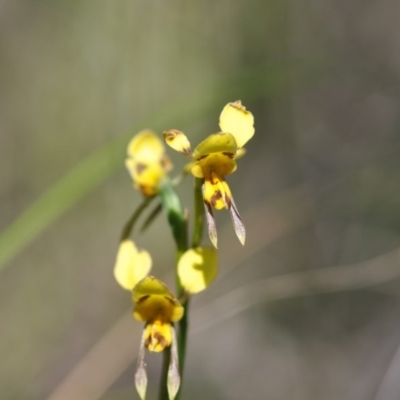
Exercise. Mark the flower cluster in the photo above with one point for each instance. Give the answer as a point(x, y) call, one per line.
point(153, 303)
point(214, 158)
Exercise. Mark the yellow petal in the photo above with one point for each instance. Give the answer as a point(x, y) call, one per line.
point(197, 268)
point(146, 177)
point(178, 141)
point(220, 163)
point(158, 336)
point(196, 170)
point(131, 265)
point(153, 301)
point(235, 119)
point(216, 192)
point(146, 147)
point(216, 143)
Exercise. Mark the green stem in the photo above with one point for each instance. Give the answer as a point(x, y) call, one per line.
point(163, 394)
point(177, 220)
point(198, 213)
point(178, 223)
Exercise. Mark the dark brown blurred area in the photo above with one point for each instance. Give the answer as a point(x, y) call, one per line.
point(309, 308)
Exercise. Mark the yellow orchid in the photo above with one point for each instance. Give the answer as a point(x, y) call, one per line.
point(158, 308)
point(132, 265)
point(214, 158)
point(147, 162)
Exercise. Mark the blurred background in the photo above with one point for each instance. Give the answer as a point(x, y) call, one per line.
point(309, 308)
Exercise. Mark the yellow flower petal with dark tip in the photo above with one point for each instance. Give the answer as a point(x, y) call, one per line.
point(146, 147)
point(131, 265)
point(197, 268)
point(216, 143)
point(235, 119)
point(153, 301)
point(178, 141)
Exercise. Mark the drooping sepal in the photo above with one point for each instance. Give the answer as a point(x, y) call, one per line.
point(173, 379)
point(141, 375)
point(238, 224)
point(211, 226)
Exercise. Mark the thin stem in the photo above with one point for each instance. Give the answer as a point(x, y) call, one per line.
point(163, 394)
point(126, 232)
point(178, 222)
point(198, 213)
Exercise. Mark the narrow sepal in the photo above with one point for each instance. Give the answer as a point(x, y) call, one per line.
point(174, 379)
point(211, 227)
point(141, 375)
point(237, 222)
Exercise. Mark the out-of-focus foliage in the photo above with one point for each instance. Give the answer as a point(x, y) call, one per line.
point(318, 193)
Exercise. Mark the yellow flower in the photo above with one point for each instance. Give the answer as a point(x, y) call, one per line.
point(147, 162)
point(214, 158)
point(158, 308)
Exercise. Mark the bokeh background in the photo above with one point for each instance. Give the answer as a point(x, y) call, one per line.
point(309, 308)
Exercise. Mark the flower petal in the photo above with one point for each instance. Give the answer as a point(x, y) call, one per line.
point(211, 227)
point(146, 147)
point(158, 335)
point(237, 222)
point(131, 265)
point(173, 379)
point(216, 143)
point(197, 268)
point(146, 177)
point(216, 191)
point(178, 141)
point(141, 375)
point(235, 119)
point(153, 301)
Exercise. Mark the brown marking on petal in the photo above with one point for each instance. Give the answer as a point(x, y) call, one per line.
point(160, 339)
point(238, 104)
point(215, 197)
point(166, 163)
point(170, 300)
point(143, 298)
point(202, 157)
point(228, 154)
point(140, 168)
